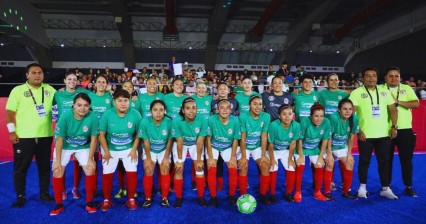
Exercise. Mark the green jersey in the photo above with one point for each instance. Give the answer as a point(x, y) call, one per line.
point(341, 131)
point(189, 132)
point(173, 104)
point(65, 99)
point(311, 135)
point(120, 131)
point(254, 128)
point(238, 90)
point(281, 137)
point(303, 104)
point(222, 136)
point(203, 105)
point(158, 135)
point(100, 104)
point(77, 133)
point(243, 101)
point(330, 100)
point(146, 100)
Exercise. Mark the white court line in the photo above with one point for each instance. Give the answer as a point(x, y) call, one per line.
point(5, 162)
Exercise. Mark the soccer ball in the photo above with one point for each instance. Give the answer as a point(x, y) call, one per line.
point(246, 204)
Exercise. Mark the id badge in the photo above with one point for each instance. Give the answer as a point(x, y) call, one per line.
point(41, 111)
point(376, 111)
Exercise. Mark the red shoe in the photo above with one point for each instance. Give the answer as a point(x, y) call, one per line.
point(106, 205)
point(319, 196)
point(64, 195)
point(90, 207)
point(298, 196)
point(132, 204)
point(57, 210)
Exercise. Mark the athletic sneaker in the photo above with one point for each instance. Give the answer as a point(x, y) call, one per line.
point(410, 192)
point(147, 203)
point(64, 194)
point(288, 198)
point(202, 202)
point(132, 204)
point(90, 207)
point(297, 196)
point(362, 192)
point(106, 205)
point(75, 193)
point(273, 199)
point(213, 202)
point(20, 202)
point(45, 196)
point(121, 193)
point(333, 186)
point(319, 196)
point(165, 203)
point(232, 200)
point(388, 193)
point(178, 203)
point(57, 210)
point(264, 200)
point(193, 186)
point(329, 196)
point(349, 196)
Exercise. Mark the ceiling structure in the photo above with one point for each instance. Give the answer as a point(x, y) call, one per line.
point(285, 26)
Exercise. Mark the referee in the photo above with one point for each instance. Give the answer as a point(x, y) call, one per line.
point(405, 100)
point(29, 121)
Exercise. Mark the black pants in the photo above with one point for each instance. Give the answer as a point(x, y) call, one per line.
point(405, 141)
point(381, 148)
point(23, 153)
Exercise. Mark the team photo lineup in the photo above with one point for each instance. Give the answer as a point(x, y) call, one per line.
point(107, 131)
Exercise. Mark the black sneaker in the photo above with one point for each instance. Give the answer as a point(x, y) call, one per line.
point(232, 200)
point(273, 199)
point(165, 203)
point(288, 198)
point(329, 196)
point(202, 202)
point(20, 202)
point(410, 192)
point(264, 200)
point(349, 196)
point(178, 203)
point(147, 203)
point(213, 202)
point(45, 196)
point(193, 186)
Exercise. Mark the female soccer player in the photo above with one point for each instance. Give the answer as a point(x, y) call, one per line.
point(119, 141)
point(254, 141)
point(222, 138)
point(331, 97)
point(189, 132)
point(274, 99)
point(156, 135)
point(101, 99)
point(151, 95)
point(243, 98)
point(284, 135)
point(203, 100)
point(76, 134)
point(305, 98)
point(315, 134)
point(174, 100)
point(344, 127)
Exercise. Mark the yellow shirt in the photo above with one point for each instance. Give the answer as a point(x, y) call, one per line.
point(406, 93)
point(28, 122)
point(373, 125)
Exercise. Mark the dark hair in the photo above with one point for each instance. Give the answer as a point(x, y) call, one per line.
point(393, 68)
point(276, 77)
point(82, 96)
point(222, 101)
point(189, 99)
point(121, 93)
point(246, 78)
point(70, 73)
point(253, 97)
point(351, 118)
point(284, 63)
point(175, 80)
point(155, 102)
point(369, 69)
point(315, 107)
point(34, 65)
point(331, 74)
point(283, 107)
point(128, 82)
point(101, 76)
point(307, 76)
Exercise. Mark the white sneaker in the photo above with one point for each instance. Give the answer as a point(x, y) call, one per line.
point(388, 193)
point(362, 192)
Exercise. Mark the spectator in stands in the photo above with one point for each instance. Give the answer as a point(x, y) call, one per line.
point(246, 74)
point(284, 69)
point(165, 86)
point(171, 63)
point(411, 82)
point(85, 81)
point(300, 71)
point(271, 70)
point(255, 80)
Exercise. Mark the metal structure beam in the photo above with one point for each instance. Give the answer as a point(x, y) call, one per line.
point(124, 24)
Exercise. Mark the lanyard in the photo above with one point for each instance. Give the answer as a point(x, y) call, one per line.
point(371, 98)
point(397, 94)
point(42, 96)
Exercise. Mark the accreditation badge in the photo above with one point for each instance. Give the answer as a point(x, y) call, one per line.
point(41, 111)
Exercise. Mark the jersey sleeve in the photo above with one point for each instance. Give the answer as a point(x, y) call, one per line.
point(242, 120)
point(354, 97)
point(327, 129)
point(266, 122)
point(143, 129)
point(297, 131)
point(169, 127)
point(12, 101)
point(355, 127)
point(94, 125)
point(61, 127)
point(271, 133)
point(411, 95)
point(237, 130)
point(103, 122)
point(204, 127)
point(388, 98)
point(209, 126)
point(176, 132)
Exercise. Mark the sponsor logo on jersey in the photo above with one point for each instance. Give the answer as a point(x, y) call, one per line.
point(261, 124)
point(321, 132)
point(230, 131)
point(349, 129)
point(133, 104)
point(207, 103)
point(271, 98)
point(46, 93)
point(85, 129)
point(339, 97)
point(364, 95)
point(286, 101)
point(290, 135)
point(403, 92)
point(129, 125)
point(57, 129)
point(164, 132)
point(197, 130)
point(107, 101)
point(384, 94)
point(315, 98)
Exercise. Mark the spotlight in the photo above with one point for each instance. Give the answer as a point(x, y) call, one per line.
point(62, 45)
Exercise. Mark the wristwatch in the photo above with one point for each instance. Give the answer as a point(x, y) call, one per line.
point(395, 126)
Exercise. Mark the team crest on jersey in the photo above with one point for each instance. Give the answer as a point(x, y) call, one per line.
point(27, 94)
point(315, 98)
point(364, 95)
point(349, 129)
point(285, 101)
point(232, 106)
point(261, 124)
point(57, 129)
point(230, 131)
point(384, 94)
point(290, 135)
point(173, 131)
point(403, 92)
point(197, 130)
point(157, 98)
point(133, 104)
point(46, 93)
point(129, 125)
point(164, 132)
point(339, 97)
point(321, 132)
point(85, 129)
point(107, 101)
point(207, 103)
point(271, 98)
